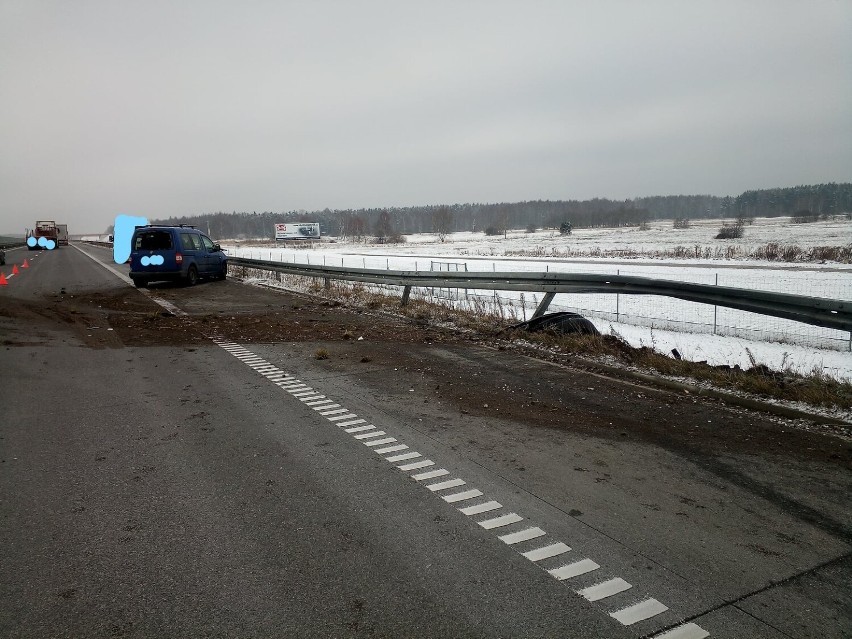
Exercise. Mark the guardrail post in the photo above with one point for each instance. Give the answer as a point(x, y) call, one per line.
point(542, 306)
point(327, 283)
point(405, 293)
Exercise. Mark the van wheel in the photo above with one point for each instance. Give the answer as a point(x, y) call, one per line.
point(224, 274)
point(192, 276)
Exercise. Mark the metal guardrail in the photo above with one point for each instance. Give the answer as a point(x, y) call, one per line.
point(816, 311)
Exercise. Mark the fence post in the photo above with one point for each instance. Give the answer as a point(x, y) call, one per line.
point(327, 283)
point(715, 308)
point(617, 299)
point(405, 293)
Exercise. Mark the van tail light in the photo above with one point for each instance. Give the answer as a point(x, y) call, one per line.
point(178, 258)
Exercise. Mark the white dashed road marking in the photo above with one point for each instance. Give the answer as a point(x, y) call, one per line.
point(499, 522)
point(370, 433)
point(451, 483)
point(379, 442)
point(605, 589)
point(403, 456)
point(359, 429)
point(376, 440)
point(686, 631)
point(481, 508)
point(391, 449)
point(546, 552)
point(418, 464)
point(463, 496)
point(574, 570)
point(431, 474)
point(522, 535)
point(639, 612)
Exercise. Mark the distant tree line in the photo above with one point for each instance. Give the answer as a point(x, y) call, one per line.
point(813, 200)
point(390, 224)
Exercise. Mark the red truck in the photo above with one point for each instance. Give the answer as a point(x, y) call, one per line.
point(45, 235)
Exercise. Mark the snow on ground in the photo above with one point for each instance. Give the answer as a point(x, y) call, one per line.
point(658, 236)
point(718, 350)
point(802, 349)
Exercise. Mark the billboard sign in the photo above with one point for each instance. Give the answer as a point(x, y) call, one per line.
point(297, 231)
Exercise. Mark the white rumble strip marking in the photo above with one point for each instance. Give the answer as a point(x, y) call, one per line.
point(337, 418)
point(352, 423)
point(574, 570)
point(404, 456)
point(546, 552)
point(368, 435)
point(462, 496)
point(358, 429)
point(522, 535)
point(686, 631)
point(379, 442)
point(499, 522)
point(639, 612)
point(430, 474)
point(416, 465)
point(443, 485)
point(605, 589)
point(391, 449)
point(481, 508)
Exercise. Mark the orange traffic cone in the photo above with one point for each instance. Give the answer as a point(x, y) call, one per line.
point(15, 269)
point(25, 265)
point(3, 281)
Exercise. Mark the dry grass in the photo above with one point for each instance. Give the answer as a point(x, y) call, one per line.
point(770, 252)
point(816, 388)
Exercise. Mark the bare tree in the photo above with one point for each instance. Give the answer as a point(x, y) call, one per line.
point(383, 228)
point(442, 219)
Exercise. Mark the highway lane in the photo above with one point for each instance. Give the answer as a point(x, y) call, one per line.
point(165, 492)
point(178, 491)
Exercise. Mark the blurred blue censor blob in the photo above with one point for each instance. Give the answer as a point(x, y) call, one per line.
point(31, 241)
point(156, 260)
point(122, 232)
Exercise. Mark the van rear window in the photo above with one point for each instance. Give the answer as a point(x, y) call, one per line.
point(153, 241)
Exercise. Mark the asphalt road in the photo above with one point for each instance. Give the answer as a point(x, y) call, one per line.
point(212, 489)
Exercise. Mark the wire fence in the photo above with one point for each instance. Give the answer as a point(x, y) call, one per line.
point(650, 311)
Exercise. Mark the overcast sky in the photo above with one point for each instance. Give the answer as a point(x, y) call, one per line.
point(162, 108)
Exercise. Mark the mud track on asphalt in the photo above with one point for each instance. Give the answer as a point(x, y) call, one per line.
point(472, 373)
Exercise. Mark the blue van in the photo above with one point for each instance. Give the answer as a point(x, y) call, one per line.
point(174, 253)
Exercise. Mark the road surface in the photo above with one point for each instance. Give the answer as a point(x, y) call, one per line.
point(230, 461)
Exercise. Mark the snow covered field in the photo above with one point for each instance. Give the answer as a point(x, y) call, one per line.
point(698, 332)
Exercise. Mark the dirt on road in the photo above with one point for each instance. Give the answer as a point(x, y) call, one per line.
point(484, 377)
